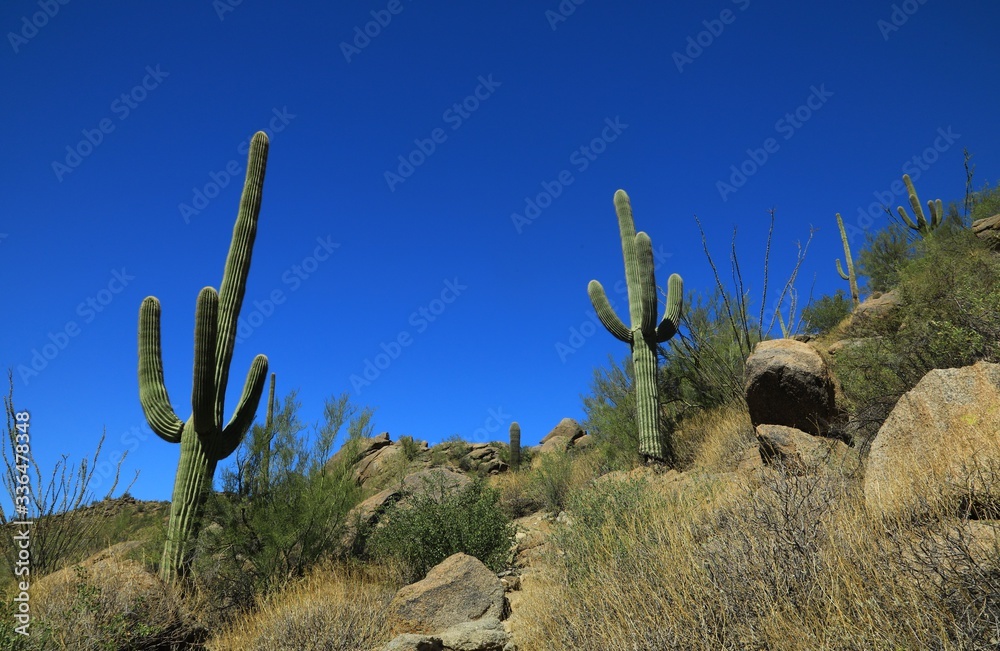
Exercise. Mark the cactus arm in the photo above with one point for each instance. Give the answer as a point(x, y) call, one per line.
point(606, 313)
point(206, 320)
point(152, 390)
point(647, 284)
point(672, 314)
point(840, 270)
point(246, 408)
point(238, 264)
point(922, 225)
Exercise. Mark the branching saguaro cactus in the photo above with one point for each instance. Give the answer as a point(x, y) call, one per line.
point(849, 275)
point(920, 223)
point(203, 438)
point(645, 334)
point(515, 446)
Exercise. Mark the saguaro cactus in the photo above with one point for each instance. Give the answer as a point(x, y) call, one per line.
point(920, 223)
point(645, 333)
point(849, 274)
point(203, 439)
point(515, 446)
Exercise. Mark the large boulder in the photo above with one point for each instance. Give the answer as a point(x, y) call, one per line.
point(939, 443)
point(568, 428)
point(796, 450)
point(460, 589)
point(789, 383)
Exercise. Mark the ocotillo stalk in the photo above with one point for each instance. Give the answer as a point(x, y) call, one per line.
point(515, 446)
point(203, 438)
point(849, 275)
point(644, 334)
point(920, 223)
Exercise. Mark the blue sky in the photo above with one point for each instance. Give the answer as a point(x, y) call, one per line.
point(440, 175)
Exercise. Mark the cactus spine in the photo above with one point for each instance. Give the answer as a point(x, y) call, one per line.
point(849, 275)
point(645, 334)
point(203, 439)
point(920, 223)
point(515, 446)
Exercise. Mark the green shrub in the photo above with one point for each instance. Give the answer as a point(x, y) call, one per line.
point(430, 526)
point(411, 449)
point(278, 518)
point(552, 479)
point(883, 256)
point(948, 318)
point(824, 315)
point(986, 202)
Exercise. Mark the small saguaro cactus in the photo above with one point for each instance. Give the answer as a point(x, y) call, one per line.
point(849, 275)
point(203, 439)
point(515, 446)
point(920, 223)
point(645, 333)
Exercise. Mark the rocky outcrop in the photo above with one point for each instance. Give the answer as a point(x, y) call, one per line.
point(788, 383)
point(987, 229)
point(458, 590)
point(939, 443)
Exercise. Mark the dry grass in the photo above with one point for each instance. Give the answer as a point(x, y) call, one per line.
point(770, 561)
point(336, 608)
point(717, 439)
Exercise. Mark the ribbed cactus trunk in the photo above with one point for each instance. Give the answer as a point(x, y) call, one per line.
point(515, 446)
point(203, 438)
point(848, 275)
point(645, 334)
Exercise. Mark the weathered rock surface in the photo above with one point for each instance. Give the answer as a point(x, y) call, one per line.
point(789, 383)
point(567, 428)
point(460, 589)
point(939, 440)
point(988, 230)
point(797, 450)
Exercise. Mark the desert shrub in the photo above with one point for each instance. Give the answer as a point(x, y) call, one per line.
point(986, 202)
point(552, 480)
point(111, 604)
point(433, 524)
point(63, 532)
point(948, 318)
point(517, 494)
point(825, 314)
point(283, 508)
point(411, 449)
point(883, 256)
point(611, 415)
point(335, 608)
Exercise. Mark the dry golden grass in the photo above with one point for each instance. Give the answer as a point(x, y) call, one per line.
point(770, 561)
point(335, 608)
point(717, 439)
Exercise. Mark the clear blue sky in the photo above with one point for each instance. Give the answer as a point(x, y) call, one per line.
point(118, 115)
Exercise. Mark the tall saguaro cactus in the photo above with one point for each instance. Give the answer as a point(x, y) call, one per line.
point(920, 223)
point(645, 333)
point(515, 446)
point(849, 275)
point(203, 438)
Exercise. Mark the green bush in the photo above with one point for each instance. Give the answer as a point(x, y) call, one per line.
point(883, 256)
point(411, 449)
point(986, 202)
point(283, 509)
point(431, 525)
point(948, 318)
point(552, 478)
point(824, 315)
